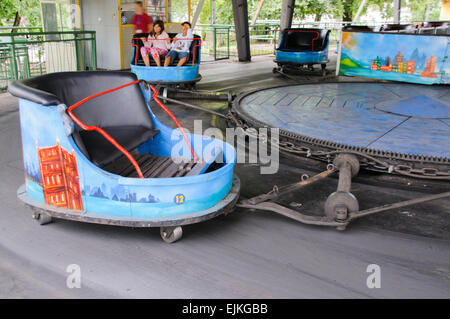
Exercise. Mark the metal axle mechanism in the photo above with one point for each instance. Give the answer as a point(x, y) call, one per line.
point(341, 206)
point(340, 203)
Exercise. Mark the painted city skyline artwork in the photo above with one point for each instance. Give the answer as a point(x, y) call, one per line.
point(421, 59)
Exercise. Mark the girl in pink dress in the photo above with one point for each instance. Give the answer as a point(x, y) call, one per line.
point(157, 44)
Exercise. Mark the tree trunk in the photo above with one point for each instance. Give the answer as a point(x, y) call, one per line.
point(16, 21)
point(258, 11)
point(427, 11)
point(348, 14)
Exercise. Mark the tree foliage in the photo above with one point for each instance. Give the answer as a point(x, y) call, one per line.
point(345, 9)
point(423, 10)
point(28, 9)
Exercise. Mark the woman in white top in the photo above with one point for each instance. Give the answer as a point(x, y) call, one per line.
point(157, 44)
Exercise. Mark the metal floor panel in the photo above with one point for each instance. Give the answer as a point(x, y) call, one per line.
point(152, 167)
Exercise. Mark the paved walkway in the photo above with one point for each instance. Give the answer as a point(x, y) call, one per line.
point(242, 255)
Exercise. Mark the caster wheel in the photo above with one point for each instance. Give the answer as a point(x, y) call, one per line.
point(275, 70)
point(324, 70)
point(171, 234)
point(165, 93)
point(42, 219)
point(339, 205)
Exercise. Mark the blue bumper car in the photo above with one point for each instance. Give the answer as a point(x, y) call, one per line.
point(186, 75)
point(95, 152)
point(302, 48)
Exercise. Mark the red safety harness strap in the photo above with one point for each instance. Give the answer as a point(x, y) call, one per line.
point(113, 141)
point(155, 97)
point(99, 130)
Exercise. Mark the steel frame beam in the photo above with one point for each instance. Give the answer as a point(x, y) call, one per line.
point(287, 12)
point(240, 13)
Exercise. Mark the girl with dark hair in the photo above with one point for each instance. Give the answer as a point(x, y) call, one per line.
point(157, 44)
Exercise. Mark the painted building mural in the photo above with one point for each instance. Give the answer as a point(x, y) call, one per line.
point(59, 176)
point(54, 175)
point(411, 58)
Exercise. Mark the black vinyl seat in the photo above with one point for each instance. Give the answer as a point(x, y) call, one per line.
point(360, 28)
point(406, 28)
point(193, 47)
point(304, 39)
point(102, 152)
point(123, 113)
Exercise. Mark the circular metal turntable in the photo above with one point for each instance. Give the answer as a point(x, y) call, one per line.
point(398, 122)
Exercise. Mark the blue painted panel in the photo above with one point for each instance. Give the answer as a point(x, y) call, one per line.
point(166, 74)
point(301, 57)
point(421, 59)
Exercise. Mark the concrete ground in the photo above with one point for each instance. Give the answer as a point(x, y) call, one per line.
point(247, 254)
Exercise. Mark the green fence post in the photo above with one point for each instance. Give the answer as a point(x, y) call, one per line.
point(94, 51)
point(77, 51)
point(228, 43)
point(40, 61)
point(15, 72)
point(215, 43)
point(26, 67)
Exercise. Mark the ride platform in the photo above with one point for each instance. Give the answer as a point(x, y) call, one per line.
point(403, 121)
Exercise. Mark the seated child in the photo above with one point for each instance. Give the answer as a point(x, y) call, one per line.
point(180, 45)
point(158, 44)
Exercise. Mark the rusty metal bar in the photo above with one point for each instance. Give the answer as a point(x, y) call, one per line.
point(293, 214)
point(345, 178)
point(277, 192)
point(383, 208)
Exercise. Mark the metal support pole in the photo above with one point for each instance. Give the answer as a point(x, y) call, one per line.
point(397, 7)
point(197, 12)
point(287, 11)
point(361, 7)
point(213, 12)
point(258, 11)
point(240, 12)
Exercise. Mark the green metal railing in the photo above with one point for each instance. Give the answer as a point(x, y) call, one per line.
point(215, 41)
point(219, 41)
point(26, 29)
point(25, 54)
